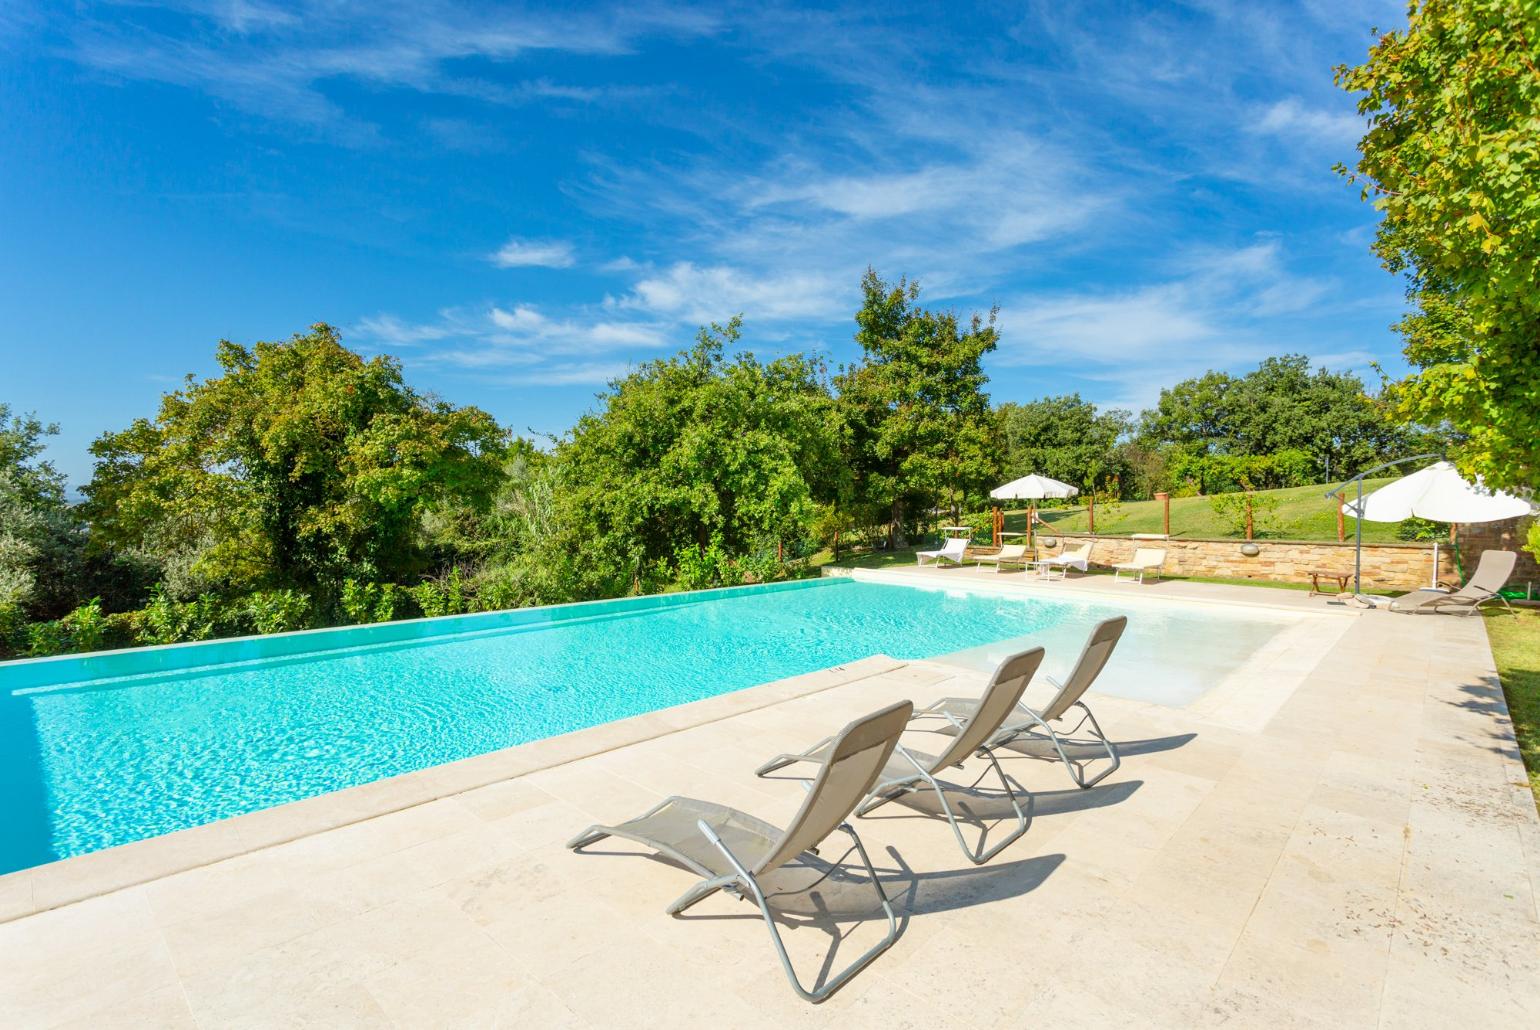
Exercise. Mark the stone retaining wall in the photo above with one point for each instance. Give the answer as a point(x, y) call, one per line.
point(1387, 566)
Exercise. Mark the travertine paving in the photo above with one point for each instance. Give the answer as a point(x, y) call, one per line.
point(1366, 856)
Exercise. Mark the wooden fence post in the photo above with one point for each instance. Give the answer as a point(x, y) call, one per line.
point(1248, 514)
point(1090, 513)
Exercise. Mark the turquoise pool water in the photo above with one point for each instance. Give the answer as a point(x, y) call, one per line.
point(114, 748)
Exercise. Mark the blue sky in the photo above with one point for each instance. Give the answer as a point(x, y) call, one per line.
point(520, 201)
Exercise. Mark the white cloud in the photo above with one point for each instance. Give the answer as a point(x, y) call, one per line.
point(517, 253)
point(1291, 118)
point(692, 294)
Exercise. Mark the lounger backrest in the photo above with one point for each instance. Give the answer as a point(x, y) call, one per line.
point(855, 758)
point(1098, 648)
point(1083, 551)
point(1151, 557)
point(1012, 551)
point(1491, 574)
point(1000, 697)
point(956, 544)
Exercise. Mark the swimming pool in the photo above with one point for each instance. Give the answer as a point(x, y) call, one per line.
point(105, 749)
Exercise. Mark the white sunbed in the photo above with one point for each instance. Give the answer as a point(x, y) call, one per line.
point(1009, 554)
point(1146, 559)
point(1079, 558)
point(952, 551)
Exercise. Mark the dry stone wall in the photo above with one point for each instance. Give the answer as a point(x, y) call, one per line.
point(1388, 566)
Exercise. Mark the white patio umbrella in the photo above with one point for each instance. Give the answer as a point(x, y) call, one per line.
point(1029, 488)
point(1032, 488)
point(1437, 492)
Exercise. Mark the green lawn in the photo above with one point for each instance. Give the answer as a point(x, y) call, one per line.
point(1303, 513)
point(1516, 649)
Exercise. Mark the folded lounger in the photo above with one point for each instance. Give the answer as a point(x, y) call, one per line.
point(1030, 731)
point(1009, 554)
point(1146, 559)
point(951, 551)
point(1491, 575)
point(1079, 558)
point(909, 770)
point(745, 856)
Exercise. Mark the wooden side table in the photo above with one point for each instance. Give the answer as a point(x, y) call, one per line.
point(1341, 578)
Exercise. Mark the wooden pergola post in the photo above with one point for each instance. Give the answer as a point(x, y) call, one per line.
point(1165, 512)
point(1341, 526)
point(997, 524)
point(1090, 509)
point(1031, 518)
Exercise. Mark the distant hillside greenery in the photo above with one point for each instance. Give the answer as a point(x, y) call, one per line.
point(305, 485)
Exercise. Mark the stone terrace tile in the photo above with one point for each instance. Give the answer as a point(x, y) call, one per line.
point(1353, 853)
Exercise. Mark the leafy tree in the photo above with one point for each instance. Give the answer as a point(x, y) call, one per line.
point(1065, 438)
point(40, 539)
point(922, 430)
point(1452, 161)
point(300, 465)
point(690, 456)
point(1282, 406)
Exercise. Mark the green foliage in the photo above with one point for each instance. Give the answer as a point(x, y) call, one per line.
point(1066, 439)
point(700, 568)
point(1451, 159)
point(364, 603)
point(1297, 425)
point(1532, 539)
point(300, 465)
point(690, 455)
point(1233, 510)
point(922, 433)
point(41, 546)
point(446, 595)
point(277, 611)
point(1415, 528)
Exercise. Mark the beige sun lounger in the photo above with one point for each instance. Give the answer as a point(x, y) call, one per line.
point(909, 770)
point(1146, 559)
point(1079, 558)
point(1032, 731)
point(745, 856)
point(1009, 554)
point(1491, 575)
point(953, 551)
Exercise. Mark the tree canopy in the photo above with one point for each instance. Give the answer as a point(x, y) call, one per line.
point(921, 425)
point(301, 464)
point(696, 455)
point(1065, 438)
point(1451, 159)
point(1323, 423)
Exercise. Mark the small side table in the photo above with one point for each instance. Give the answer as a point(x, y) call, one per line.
point(1341, 578)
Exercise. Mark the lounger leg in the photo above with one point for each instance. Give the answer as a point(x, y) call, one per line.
point(837, 981)
point(700, 892)
point(978, 856)
point(1076, 772)
point(592, 835)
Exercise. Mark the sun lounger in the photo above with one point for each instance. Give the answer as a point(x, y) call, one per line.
point(1031, 731)
point(909, 770)
point(952, 551)
point(1009, 554)
point(745, 856)
point(1146, 559)
point(1491, 575)
point(1079, 558)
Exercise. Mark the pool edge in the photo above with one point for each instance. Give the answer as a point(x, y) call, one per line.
point(41, 888)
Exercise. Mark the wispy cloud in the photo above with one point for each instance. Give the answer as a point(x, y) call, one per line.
point(1293, 119)
point(517, 253)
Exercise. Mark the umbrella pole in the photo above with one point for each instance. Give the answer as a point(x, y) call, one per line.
point(1358, 543)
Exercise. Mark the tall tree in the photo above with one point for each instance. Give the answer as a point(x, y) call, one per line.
point(301, 464)
point(1282, 405)
point(1065, 438)
point(38, 535)
point(694, 453)
point(922, 429)
point(1451, 159)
